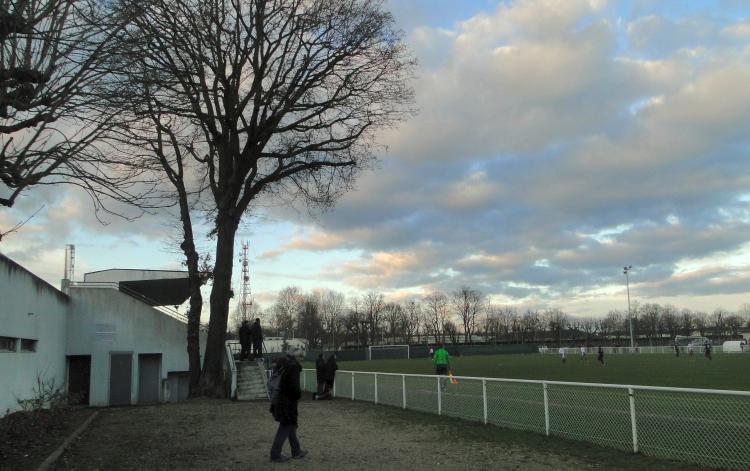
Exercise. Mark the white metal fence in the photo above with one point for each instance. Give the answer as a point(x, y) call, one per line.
point(684, 350)
point(710, 427)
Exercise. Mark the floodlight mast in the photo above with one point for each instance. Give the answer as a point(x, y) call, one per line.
point(626, 271)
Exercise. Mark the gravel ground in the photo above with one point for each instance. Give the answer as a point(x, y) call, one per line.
point(339, 434)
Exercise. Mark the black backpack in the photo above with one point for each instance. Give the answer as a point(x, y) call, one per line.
point(274, 384)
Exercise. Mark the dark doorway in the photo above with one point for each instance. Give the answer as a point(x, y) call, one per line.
point(149, 376)
point(120, 378)
point(79, 379)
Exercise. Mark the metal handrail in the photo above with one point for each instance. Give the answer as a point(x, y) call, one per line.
point(232, 370)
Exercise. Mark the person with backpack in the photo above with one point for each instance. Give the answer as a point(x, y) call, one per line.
point(320, 376)
point(285, 392)
point(256, 337)
point(331, 367)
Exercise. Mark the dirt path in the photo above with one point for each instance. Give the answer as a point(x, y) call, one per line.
point(339, 435)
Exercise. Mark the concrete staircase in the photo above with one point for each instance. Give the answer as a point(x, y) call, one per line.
point(251, 381)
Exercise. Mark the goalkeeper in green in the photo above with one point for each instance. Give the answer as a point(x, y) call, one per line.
point(442, 361)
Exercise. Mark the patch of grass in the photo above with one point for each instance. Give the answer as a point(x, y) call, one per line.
point(725, 371)
point(468, 432)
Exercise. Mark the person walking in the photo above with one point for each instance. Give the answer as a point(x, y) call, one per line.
point(442, 362)
point(600, 355)
point(331, 367)
point(285, 409)
point(244, 340)
point(256, 337)
point(320, 376)
point(708, 350)
point(562, 353)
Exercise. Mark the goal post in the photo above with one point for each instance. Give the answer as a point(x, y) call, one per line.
point(382, 352)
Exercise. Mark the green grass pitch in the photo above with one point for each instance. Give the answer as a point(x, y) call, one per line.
point(702, 428)
point(725, 371)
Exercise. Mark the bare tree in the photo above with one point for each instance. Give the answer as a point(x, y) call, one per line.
point(372, 306)
point(332, 305)
point(309, 324)
point(468, 303)
point(393, 315)
point(51, 113)
point(288, 304)
point(436, 310)
point(411, 320)
point(287, 95)
point(556, 320)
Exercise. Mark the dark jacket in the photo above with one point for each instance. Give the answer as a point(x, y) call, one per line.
point(320, 369)
point(256, 333)
point(290, 392)
point(245, 334)
point(331, 367)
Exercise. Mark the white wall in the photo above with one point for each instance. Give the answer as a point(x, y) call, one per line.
point(30, 309)
point(104, 320)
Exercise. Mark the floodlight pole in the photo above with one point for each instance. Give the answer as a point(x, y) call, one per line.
point(626, 271)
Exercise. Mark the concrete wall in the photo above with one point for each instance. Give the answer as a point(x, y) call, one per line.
point(30, 309)
point(104, 320)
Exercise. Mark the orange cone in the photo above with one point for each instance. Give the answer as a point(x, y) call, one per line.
point(453, 378)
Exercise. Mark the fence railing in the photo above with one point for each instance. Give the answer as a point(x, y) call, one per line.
point(705, 426)
point(684, 350)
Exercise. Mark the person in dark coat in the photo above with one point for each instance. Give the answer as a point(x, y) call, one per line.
point(320, 375)
point(331, 367)
point(244, 340)
point(256, 337)
point(285, 410)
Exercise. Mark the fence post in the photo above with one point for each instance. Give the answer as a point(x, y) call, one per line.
point(440, 403)
point(546, 408)
point(334, 387)
point(484, 398)
point(352, 385)
point(403, 389)
point(632, 420)
point(304, 380)
point(376, 388)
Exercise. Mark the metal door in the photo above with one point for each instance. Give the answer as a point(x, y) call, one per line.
point(149, 374)
point(120, 378)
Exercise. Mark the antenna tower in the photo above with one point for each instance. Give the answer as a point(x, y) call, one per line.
point(246, 300)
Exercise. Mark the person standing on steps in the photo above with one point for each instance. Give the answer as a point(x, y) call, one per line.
point(285, 409)
point(244, 340)
point(256, 336)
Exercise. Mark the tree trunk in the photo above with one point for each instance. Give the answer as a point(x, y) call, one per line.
point(211, 380)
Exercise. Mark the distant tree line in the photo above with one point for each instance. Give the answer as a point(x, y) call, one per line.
point(328, 320)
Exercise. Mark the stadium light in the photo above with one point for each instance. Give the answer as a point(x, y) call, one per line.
point(626, 271)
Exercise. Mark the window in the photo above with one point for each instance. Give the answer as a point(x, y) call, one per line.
point(7, 344)
point(28, 345)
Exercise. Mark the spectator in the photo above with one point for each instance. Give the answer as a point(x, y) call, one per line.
point(331, 367)
point(244, 340)
point(320, 376)
point(285, 410)
point(256, 337)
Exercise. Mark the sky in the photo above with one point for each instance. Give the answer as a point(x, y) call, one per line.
point(556, 142)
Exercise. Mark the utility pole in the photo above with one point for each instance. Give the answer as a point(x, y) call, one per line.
point(626, 271)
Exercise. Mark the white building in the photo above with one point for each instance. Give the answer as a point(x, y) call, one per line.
point(109, 340)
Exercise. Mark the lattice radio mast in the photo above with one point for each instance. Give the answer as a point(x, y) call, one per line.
point(246, 299)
